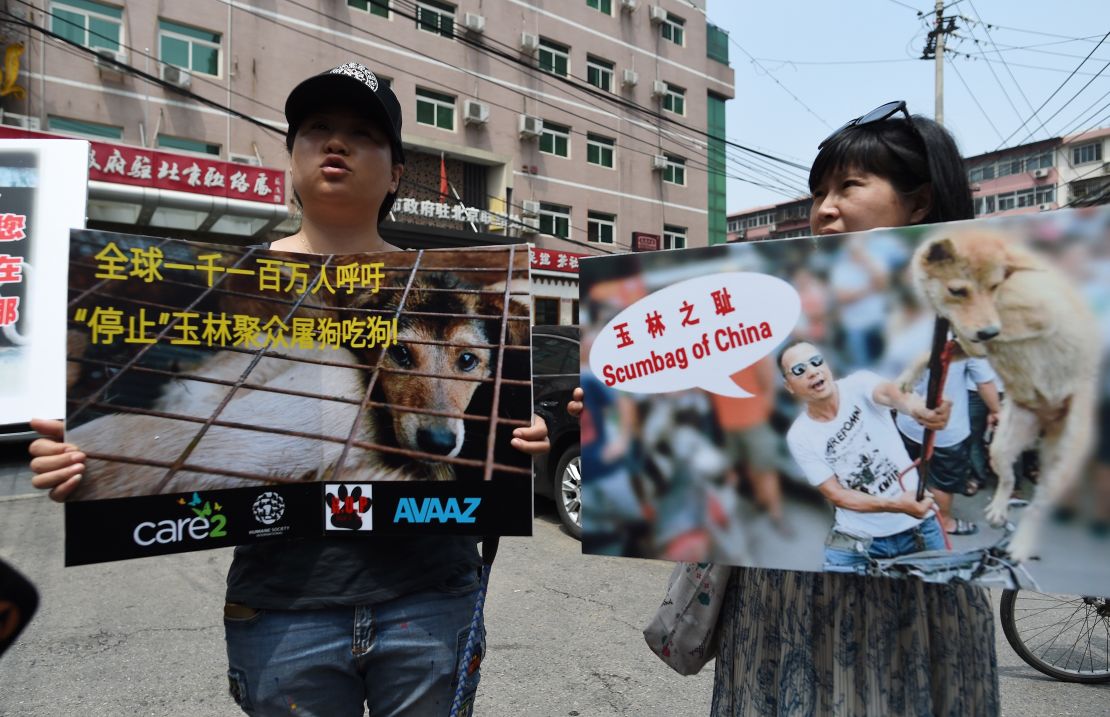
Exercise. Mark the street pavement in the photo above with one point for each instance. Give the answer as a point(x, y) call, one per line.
point(144, 637)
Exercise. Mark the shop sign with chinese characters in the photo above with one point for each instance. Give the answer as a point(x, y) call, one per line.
point(139, 166)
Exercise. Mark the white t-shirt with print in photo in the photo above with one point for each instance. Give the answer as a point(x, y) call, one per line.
point(862, 448)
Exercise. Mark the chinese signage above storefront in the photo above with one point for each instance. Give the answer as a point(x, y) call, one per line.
point(123, 164)
point(554, 260)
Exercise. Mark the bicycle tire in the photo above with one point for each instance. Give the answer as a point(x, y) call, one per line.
point(1090, 616)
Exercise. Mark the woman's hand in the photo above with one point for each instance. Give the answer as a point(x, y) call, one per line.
point(532, 440)
point(57, 466)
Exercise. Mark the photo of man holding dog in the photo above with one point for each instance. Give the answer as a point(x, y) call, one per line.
point(847, 444)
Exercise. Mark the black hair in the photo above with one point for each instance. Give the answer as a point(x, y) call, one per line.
point(387, 203)
point(909, 156)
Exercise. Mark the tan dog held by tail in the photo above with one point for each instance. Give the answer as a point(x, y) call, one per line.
point(1011, 306)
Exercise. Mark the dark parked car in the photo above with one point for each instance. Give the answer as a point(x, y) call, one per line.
point(558, 474)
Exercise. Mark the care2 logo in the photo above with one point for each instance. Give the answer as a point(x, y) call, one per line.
point(206, 522)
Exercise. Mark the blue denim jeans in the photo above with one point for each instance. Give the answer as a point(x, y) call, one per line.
point(925, 536)
point(398, 658)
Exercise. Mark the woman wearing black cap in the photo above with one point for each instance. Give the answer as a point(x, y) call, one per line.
point(330, 627)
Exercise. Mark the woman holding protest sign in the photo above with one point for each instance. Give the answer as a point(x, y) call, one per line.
point(820, 643)
point(327, 625)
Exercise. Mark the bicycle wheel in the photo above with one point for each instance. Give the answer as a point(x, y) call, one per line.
point(1063, 636)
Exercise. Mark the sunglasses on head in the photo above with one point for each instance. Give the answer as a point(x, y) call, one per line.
point(880, 113)
point(800, 368)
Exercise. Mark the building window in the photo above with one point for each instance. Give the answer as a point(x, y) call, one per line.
point(599, 73)
point(190, 48)
point(675, 171)
point(674, 237)
point(673, 28)
point(91, 24)
point(554, 58)
point(674, 100)
point(555, 139)
point(605, 6)
point(435, 109)
point(374, 7)
point(1086, 153)
point(188, 145)
point(547, 311)
point(574, 312)
point(437, 17)
point(599, 150)
point(84, 129)
point(601, 227)
point(555, 220)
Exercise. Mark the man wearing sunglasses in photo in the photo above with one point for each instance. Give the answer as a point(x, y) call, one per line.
point(849, 448)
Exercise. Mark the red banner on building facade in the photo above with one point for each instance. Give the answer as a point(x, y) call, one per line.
point(139, 166)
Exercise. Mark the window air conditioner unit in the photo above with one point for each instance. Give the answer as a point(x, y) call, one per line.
point(244, 159)
point(976, 187)
point(530, 207)
point(658, 162)
point(1045, 207)
point(1040, 173)
point(22, 121)
point(176, 76)
point(629, 78)
point(628, 5)
point(106, 67)
point(658, 88)
point(657, 14)
point(530, 127)
point(530, 225)
point(474, 22)
point(475, 112)
point(529, 43)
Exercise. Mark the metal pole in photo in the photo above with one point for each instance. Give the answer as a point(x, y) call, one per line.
point(489, 552)
point(939, 356)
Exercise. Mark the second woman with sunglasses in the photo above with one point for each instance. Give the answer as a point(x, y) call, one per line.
point(803, 643)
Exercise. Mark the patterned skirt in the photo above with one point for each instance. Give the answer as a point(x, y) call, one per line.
point(804, 643)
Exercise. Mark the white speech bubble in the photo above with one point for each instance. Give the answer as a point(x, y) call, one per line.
point(712, 327)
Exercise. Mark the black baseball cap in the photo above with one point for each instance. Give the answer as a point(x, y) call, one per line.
point(350, 84)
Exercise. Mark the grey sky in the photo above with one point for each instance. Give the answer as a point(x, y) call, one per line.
point(802, 43)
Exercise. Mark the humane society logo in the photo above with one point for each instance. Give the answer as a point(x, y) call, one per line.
point(348, 508)
point(206, 522)
point(268, 509)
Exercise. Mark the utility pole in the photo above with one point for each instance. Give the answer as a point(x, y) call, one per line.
point(934, 50)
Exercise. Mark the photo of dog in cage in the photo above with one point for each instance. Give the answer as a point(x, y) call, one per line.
point(926, 401)
point(209, 368)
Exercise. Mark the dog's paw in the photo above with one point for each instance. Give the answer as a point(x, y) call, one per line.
point(997, 512)
point(1022, 544)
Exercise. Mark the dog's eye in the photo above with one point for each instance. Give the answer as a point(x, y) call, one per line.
point(961, 293)
point(400, 355)
point(995, 287)
point(468, 361)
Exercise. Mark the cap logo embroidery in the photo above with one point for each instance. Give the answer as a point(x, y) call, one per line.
point(359, 72)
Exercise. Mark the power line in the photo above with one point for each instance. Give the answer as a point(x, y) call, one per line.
point(1001, 86)
point(1064, 106)
point(1054, 92)
point(1075, 124)
point(975, 99)
point(93, 54)
point(1010, 72)
point(776, 80)
point(548, 78)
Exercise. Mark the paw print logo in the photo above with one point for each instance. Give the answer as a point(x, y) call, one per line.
point(346, 510)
